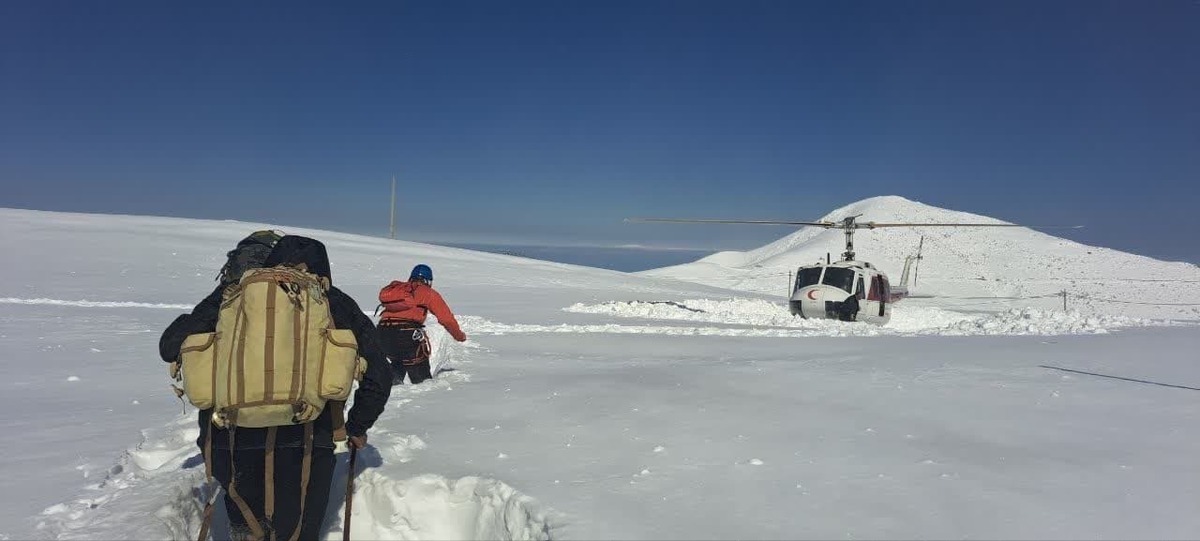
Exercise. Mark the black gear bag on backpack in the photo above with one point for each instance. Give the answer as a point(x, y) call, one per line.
point(250, 253)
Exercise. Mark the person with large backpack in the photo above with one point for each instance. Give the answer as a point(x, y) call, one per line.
point(402, 325)
point(250, 253)
point(270, 365)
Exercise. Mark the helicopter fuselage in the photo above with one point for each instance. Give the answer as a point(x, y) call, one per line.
point(842, 290)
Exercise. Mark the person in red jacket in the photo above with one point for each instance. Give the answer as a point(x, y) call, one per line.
point(402, 326)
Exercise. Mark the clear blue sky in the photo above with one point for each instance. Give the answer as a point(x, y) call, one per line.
point(552, 121)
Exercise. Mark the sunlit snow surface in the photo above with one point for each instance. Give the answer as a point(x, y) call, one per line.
point(591, 404)
point(905, 321)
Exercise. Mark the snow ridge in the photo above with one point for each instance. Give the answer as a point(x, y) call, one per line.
point(773, 319)
point(94, 304)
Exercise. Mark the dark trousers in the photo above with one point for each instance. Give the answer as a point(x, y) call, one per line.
point(250, 467)
point(407, 349)
point(416, 372)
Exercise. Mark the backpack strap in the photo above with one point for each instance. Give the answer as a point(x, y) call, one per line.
point(208, 512)
point(208, 476)
point(256, 530)
point(412, 287)
point(269, 481)
point(305, 473)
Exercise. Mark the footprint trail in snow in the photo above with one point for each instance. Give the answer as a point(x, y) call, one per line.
point(157, 489)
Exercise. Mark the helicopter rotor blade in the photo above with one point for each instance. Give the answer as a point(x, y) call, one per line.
point(845, 223)
point(755, 222)
point(873, 225)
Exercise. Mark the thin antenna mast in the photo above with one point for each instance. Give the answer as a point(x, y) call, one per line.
point(392, 220)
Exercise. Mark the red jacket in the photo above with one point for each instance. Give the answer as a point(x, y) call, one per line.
point(419, 301)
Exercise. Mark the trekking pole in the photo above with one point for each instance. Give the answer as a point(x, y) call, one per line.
point(349, 494)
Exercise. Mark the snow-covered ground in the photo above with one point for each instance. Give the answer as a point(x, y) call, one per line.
point(594, 404)
point(979, 269)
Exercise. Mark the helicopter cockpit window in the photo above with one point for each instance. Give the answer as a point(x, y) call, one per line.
point(808, 277)
point(840, 278)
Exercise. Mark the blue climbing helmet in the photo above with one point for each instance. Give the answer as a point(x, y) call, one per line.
point(423, 272)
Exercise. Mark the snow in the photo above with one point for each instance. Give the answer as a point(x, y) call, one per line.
point(762, 314)
point(982, 268)
point(593, 404)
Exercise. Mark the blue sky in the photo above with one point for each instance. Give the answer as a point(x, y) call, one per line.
point(550, 122)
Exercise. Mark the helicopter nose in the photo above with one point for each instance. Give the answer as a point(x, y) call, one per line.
point(808, 303)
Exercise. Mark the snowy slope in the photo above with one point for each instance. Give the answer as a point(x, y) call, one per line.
point(961, 264)
point(591, 404)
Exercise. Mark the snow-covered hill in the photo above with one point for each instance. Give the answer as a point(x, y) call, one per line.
point(592, 404)
point(1020, 266)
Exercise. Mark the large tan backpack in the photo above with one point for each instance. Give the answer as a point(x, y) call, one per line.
point(275, 358)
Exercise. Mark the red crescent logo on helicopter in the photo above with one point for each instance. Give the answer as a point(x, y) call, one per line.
point(811, 294)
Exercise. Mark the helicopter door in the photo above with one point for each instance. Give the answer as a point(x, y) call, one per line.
point(883, 296)
point(877, 293)
point(886, 291)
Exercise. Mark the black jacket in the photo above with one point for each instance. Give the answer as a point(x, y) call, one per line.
point(373, 391)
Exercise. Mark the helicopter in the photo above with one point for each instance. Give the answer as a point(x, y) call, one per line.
point(849, 289)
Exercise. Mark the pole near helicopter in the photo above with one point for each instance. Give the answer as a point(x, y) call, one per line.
point(849, 289)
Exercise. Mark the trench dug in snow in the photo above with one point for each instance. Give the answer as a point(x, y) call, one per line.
point(157, 490)
point(165, 479)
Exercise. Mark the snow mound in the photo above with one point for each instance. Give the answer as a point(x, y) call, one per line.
point(1041, 322)
point(966, 262)
point(433, 507)
point(906, 321)
point(738, 310)
point(162, 477)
